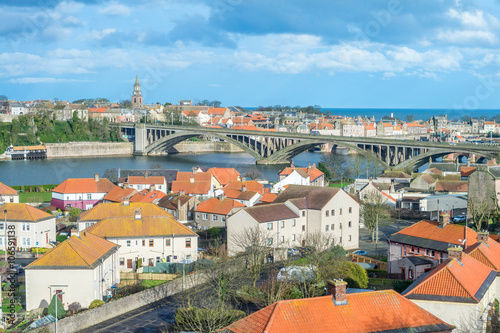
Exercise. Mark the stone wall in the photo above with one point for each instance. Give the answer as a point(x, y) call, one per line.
point(205, 147)
point(7, 118)
point(123, 305)
point(88, 149)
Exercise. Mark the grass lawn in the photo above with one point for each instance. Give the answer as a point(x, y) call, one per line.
point(26, 197)
point(151, 283)
point(339, 184)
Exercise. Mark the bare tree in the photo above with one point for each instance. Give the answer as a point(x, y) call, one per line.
point(373, 209)
point(335, 163)
point(357, 165)
point(479, 210)
point(253, 174)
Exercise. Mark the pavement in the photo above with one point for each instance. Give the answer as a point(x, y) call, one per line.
point(379, 250)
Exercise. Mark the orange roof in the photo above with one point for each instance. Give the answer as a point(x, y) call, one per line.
point(268, 197)
point(489, 122)
point(84, 185)
point(467, 171)
point(463, 280)
point(218, 111)
point(23, 212)
point(78, 252)
point(487, 254)
point(375, 311)
point(451, 233)
point(198, 176)
point(156, 180)
point(452, 186)
point(313, 172)
point(147, 196)
point(98, 110)
point(370, 127)
point(321, 126)
point(216, 206)
point(245, 127)
point(19, 148)
point(191, 113)
point(7, 190)
point(113, 209)
point(251, 185)
point(116, 227)
point(224, 175)
point(118, 194)
point(387, 125)
point(196, 187)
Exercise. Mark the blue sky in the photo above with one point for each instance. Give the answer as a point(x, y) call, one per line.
point(379, 54)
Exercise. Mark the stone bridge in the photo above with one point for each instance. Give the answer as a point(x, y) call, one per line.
point(280, 147)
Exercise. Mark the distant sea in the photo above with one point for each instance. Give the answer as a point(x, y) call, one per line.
point(419, 114)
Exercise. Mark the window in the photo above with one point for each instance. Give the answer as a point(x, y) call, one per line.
point(136, 242)
point(282, 239)
point(205, 216)
point(293, 237)
point(327, 213)
point(1, 226)
point(214, 217)
point(333, 212)
point(197, 215)
point(67, 197)
point(303, 228)
point(294, 222)
point(340, 211)
point(332, 241)
point(282, 224)
point(350, 238)
point(350, 210)
point(340, 240)
point(122, 261)
point(188, 243)
point(332, 227)
point(350, 224)
point(326, 227)
point(269, 226)
point(151, 242)
point(1, 241)
point(143, 242)
point(223, 219)
point(432, 253)
point(426, 252)
point(128, 243)
point(89, 196)
point(269, 241)
point(303, 213)
point(167, 242)
point(340, 225)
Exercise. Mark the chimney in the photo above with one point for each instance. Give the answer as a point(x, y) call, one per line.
point(292, 166)
point(146, 174)
point(96, 177)
point(126, 202)
point(455, 252)
point(482, 236)
point(444, 219)
point(152, 188)
point(191, 179)
point(138, 214)
point(337, 288)
point(125, 186)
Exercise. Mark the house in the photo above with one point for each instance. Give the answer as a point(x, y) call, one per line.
point(394, 177)
point(340, 312)
point(118, 194)
point(147, 196)
point(81, 269)
point(465, 172)
point(296, 177)
point(215, 211)
point(247, 198)
point(428, 240)
point(452, 186)
point(377, 189)
point(147, 182)
point(267, 198)
point(33, 227)
point(454, 204)
point(113, 209)
point(169, 175)
point(180, 206)
point(460, 291)
point(424, 182)
point(8, 194)
point(147, 240)
point(316, 176)
point(299, 212)
point(223, 176)
point(248, 185)
point(369, 130)
point(197, 184)
point(385, 129)
point(83, 193)
point(225, 113)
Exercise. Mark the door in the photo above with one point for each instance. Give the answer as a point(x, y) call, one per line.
point(59, 294)
point(129, 263)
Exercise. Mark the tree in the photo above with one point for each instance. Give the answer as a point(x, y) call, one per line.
point(335, 164)
point(111, 175)
point(3, 98)
point(410, 118)
point(56, 301)
point(373, 209)
point(75, 212)
point(466, 119)
point(127, 104)
point(205, 320)
point(324, 169)
point(479, 210)
point(357, 165)
point(253, 174)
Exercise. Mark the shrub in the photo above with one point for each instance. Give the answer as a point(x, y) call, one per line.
point(379, 273)
point(61, 238)
point(215, 232)
point(56, 301)
point(356, 276)
point(401, 285)
point(49, 211)
point(74, 307)
point(75, 212)
point(96, 303)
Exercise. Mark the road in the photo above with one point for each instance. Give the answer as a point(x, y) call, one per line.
point(385, 231)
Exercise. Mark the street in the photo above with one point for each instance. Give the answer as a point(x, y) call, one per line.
point(378, 250)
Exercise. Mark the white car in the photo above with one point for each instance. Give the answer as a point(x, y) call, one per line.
point(296, 273)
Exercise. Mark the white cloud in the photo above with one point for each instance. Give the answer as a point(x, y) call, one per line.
point(471, 19)
point(98, 34)
point(115, 9)
point(467, 36)
point(35, 80)
point(72, 20)
point(67, 7)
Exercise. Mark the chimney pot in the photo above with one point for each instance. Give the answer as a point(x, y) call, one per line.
point(126, 202)
point(455, 252)
point(191, 179)
point(96, 177)
point(138, 214)
point(338, 290)
point(483, 236)
point(444, 219)
point(146, 174)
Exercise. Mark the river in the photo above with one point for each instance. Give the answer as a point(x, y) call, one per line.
point(55, 171)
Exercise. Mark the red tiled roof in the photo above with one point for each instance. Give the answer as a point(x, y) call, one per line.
point(118, 194)
point(467, 171)
point(217, 111)
point(487, 254)
point(452, 186)
point(376, 311)
point(224, 175)
point(112, 209)
point(453, 279)
point(7, 190)
point(313, 172)
point(98, 110)
point(268, 197)
point(450, 233)
point(251, 185)
point(23, 212)
point(147, 196)
point(216, 206)
point(198, 176)
point(156, 180)
point(84, 185)
point(196, 187)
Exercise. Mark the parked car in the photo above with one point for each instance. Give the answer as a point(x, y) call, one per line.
point(15, 269)
point(459, 218)
point(360, 252)
point(292, 252)
point(296, 273)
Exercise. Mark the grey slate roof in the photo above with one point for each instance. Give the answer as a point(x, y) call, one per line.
point(170, 175)
point(421, 242)
point(271, 212)
point(316, 197)
point(419, 261)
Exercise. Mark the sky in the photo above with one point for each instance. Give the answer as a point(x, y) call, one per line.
point(345, 54)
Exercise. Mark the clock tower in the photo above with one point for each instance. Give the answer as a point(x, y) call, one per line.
point(137, 95)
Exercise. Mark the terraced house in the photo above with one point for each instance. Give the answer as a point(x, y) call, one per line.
point(8, 194)
point(215, 211)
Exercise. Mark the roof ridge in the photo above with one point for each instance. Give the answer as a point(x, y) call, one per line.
point(69, 243)
point(29, 212)
point(460, 283)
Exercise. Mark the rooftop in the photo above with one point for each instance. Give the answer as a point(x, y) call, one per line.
point(217, 206)
point(113, 209)
point(85, 185)
point(23, 212)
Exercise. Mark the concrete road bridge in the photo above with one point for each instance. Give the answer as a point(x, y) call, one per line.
point(280, 147)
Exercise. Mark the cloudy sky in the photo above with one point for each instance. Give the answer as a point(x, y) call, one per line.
point(382, 54)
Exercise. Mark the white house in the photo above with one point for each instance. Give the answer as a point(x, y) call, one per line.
point(81, 269)
point(297, 177)
point(140, 183)
point(17, 108)
point(8, 194)
point(32, 226)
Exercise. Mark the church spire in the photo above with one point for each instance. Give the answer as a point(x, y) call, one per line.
point(136, 99)
point(137, 80)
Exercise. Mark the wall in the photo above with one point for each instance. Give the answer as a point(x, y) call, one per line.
point(88, 149)
point(125, 304)
point(205, 146)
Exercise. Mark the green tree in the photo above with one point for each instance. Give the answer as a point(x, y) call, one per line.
point(75, 212)
point(56, 301)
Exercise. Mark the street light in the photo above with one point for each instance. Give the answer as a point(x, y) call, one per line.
point(61, 293)
point(5, 232)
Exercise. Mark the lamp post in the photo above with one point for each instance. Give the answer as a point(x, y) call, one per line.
point(5, 232)
point(57, 295)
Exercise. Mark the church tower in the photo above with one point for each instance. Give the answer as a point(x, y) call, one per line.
point(137, 95)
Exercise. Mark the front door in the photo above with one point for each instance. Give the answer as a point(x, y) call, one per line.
point(129, 263)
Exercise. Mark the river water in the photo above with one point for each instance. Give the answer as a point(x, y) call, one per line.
point(55, 171)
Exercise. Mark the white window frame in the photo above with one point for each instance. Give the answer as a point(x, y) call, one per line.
point(129, 243)
point(269, 226)
point(205, 216)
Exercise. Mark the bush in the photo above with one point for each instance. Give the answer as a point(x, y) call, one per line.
point(215, 232)
point(96, 303)
point(61, 238)
point(379, 273)
point(39, 250)
point(56, 301)
point(401, 285)
point(356, 276)
point(75, 212)
point(205, 320)
point(74, 307)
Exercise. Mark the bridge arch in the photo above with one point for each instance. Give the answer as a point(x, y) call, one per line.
point(419, 160)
